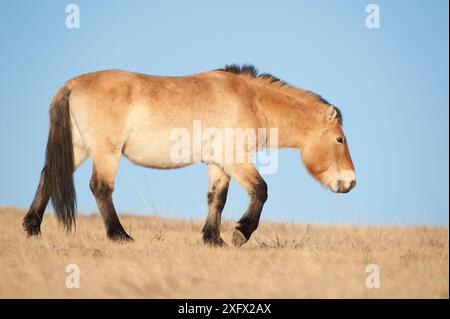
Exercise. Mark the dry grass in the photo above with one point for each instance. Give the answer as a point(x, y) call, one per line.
point(168, 260)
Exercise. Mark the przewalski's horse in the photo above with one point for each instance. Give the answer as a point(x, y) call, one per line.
point(108, 113)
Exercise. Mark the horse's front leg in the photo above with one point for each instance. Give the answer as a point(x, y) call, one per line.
point(218, 182)
point(248, 176)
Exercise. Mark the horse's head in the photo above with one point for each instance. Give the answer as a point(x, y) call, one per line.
point(326, 154)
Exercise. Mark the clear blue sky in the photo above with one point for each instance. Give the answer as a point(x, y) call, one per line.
point(390, 83)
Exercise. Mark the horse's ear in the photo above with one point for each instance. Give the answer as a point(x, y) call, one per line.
point(331, 114)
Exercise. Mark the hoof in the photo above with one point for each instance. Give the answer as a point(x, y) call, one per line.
point(32, 225)
point(215, 242)
point(238, 238)
point(120, 236)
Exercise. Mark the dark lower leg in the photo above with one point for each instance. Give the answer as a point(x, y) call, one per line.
point(103, 195)
point(250, 220)
point(33, 219)
point(217, 196)
point(216, 202)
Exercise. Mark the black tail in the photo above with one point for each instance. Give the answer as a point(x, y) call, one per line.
point(59, 161)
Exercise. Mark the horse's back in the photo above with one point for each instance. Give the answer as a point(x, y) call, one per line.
point(140, 114)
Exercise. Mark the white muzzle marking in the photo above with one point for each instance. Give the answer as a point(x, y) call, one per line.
point(342, 181)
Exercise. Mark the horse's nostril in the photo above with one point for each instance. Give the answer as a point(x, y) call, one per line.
point(352, 184)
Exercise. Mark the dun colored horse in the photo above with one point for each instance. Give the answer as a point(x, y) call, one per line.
point(108, 113)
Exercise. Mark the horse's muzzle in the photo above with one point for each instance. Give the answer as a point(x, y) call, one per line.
point(343, 186)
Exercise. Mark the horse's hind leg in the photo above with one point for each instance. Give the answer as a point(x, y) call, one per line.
point(218, 182)
point(102, 186)
point(33, 219)
point(247, 176)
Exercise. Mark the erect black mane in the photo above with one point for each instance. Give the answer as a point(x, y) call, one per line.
point(253, 72)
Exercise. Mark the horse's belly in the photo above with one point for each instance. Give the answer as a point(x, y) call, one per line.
point(151, 149)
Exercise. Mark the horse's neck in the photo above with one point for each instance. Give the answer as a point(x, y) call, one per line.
point(291, 115)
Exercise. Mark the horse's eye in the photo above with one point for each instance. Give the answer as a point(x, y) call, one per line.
point(340, 140)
